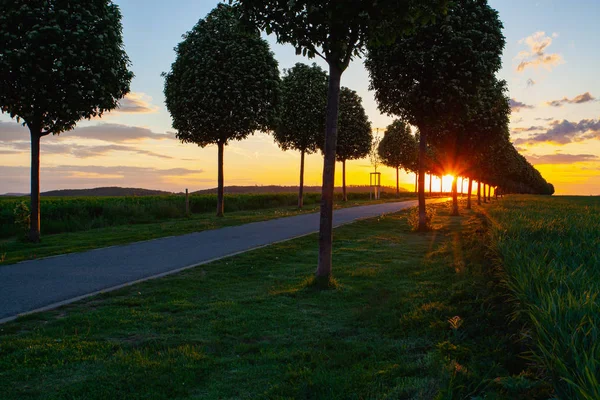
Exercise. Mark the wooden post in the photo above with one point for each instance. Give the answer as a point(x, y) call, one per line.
point(187, 203)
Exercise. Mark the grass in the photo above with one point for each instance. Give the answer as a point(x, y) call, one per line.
point(75, 214)
point(550, 248)
point(411, 316)
point(13, 250)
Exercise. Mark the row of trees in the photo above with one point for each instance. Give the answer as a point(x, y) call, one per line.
point(432, 64)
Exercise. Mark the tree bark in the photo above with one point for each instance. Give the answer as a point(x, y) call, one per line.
point(441, 185)
point(455, 196)
point(421, 182)
point(469, 192)
point(345, 196)
point(397, 181)
point(478, 193)
point(34, 222)
point(220, 188)
point(301, 188)
point(490, 193)
point(326, 218)
point(485, 193)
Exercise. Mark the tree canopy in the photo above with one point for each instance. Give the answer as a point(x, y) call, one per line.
point(60, 62)
point(223, 85)
point(354, 128)
point(302, 112)
point(398, 148)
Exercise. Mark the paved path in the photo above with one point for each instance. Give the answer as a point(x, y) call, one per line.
point(48, 283)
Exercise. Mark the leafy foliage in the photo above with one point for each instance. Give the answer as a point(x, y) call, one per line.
point(302, 114)
point(354, 128)
point(398, 148)
point(224, 83)
point(61, 61)
point(22, 217)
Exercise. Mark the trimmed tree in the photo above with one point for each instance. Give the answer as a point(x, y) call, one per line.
point(337, 32)
point(224, 85)
point(60, 62)
point(302, 113)
point(397, 149)
point(453, 57)
point(354, 132)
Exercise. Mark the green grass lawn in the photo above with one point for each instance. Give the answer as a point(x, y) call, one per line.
point(412, 316)
point(13, 250)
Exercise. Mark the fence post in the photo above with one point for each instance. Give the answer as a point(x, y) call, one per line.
point(187, 203)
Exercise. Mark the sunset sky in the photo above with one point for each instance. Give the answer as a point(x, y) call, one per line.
point(551, 64)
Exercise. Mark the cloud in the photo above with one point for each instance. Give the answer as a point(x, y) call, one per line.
point(544, 119)
point(16, 179)
point(536, 57)
point(565, 132)
point(560, 158)
point(582, 98)
point(517, 106)
point(139, 103)
point(530, 82)
point(527, 129)
point(114, 133)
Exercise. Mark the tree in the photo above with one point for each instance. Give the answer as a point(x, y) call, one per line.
point(354, 131)
point(223, 85)
point(430, 78)
point(302, 113)
point(397, 149)
point(336, 31)
point(60, 62)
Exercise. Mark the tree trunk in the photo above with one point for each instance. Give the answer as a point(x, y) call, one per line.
point(220, 188)
point(478, 193)
point(490, 193)
point(397, 181)
point(462, 184)
point(441, 185)
point(455, 196)
point(485, 193)
point(34, 222)
point(421, 182)
point(430, 182)
point(326, 218)
point(469, 192)
point(301, 188)
point(345, 196)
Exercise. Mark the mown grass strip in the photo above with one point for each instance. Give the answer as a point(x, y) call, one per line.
point(412, 316)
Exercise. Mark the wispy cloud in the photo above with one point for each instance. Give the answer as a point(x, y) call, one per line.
point(565, 132)
point(530, 82)
point(517, 106)
point(138, 103)
point(88, 176)
point(582, 98)
point(537, 56)
point(114, 133)
point(560, 158)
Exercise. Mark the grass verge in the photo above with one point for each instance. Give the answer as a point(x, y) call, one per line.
point(14, 250)
point(550, 247)
point(412, 316)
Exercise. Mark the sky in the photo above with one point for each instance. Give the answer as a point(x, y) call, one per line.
point(550, 63)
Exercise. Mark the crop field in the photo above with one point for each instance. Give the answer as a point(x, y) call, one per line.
point(550, 249)
point(73, 214)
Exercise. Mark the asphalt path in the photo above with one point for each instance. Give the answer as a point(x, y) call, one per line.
point(44, 284)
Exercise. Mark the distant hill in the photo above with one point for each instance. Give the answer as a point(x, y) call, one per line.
point(104, 192)
point(291, 189)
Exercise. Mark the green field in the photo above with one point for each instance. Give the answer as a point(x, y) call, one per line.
point(119, 221)
point(550, 249)
point(499, 303)
point(74, 214)
point(253, 326)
